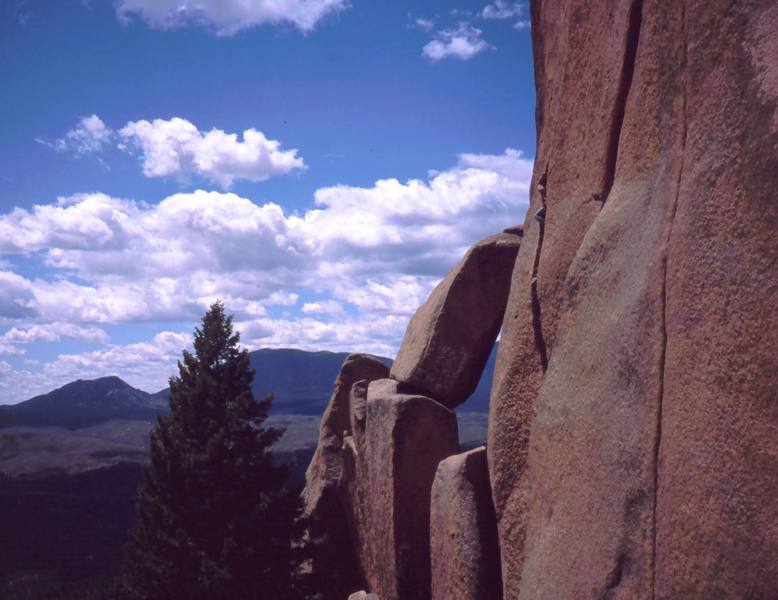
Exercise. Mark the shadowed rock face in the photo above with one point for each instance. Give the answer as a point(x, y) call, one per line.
point(326, 466)
point(388, 482)
point(632, 447)
point(450, 336)
point(339, 568)
point(463, 530)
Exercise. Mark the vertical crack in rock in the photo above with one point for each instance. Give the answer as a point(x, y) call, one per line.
point(540, 217)
point(658, 431)
point(625, 83)
point(665, 258)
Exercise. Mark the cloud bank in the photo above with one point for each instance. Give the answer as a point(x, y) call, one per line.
point(344, 275)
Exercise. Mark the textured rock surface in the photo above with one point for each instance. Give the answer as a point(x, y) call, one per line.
point(339, 569)
point(578, 84)
point(463, 530)
point(389, 481)
point(717, 507)
point(353, 487)
point(325, 467)
point(640, 329)
point(448, 340)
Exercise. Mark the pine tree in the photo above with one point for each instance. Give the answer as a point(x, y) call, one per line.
point(214, 518)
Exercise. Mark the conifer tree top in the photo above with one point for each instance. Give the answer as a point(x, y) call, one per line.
point(215, 341)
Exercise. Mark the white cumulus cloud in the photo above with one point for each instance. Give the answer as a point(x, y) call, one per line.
point(227, 17)
point(52, 332)
point(501, 9)
point(463, 42)
point(325, 307)
point(89, 136)
point(377, 335)
point(416, 227)
point(10, 350)
point(422, 23)
point(145, 364)
point(83, 221)
point(16, 296)
point(175, 147)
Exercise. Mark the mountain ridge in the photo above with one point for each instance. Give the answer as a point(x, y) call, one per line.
point(300, 381)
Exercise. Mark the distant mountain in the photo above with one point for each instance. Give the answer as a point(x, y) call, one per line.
point(83, 403)
point(301, 383)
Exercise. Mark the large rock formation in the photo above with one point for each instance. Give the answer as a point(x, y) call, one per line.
point(632, 439)
point(368, 486)
point(463, 530)
point(449, 338)
point(405, 437)
point(633, 432)
point(339, 572)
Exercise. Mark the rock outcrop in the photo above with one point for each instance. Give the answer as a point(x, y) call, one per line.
point(339, 573)
point(463, 530)
point(633, 432)
point(632, 444)
point(405, 438)
point(449, 338)
point(368, 486)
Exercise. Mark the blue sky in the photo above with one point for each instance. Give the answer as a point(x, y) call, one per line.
point(317, 164)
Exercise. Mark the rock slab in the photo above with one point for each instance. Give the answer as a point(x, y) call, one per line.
point(337, 569)
point(463, 530)
point(449, 338)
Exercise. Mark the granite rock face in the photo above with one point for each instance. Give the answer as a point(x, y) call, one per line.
point(320, 495)
point(633, 433)
point(405, 438)
point(718, 443)
point(448, 340)
point(632, 438)
point(463, 530)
